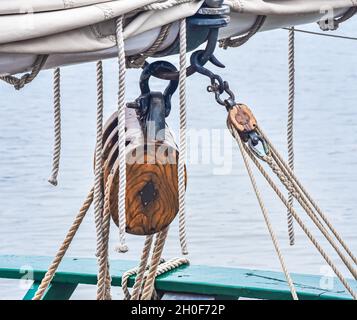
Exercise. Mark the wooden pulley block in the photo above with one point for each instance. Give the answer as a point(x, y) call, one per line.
point(242, 118)
point(152, 181)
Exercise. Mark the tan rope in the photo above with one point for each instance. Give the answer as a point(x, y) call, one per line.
point(183, 129)
point(290, 126)
point(141, 269)
point(292, 187)
point(98, 193)
point(64, 247)
point(57, 126)
point(164, 267)
point(102, 289)
point(300, 222)
point(121, 136)
point(138, 61)
point(265, 214)
point(297, 185)
point(240, 40)
point(155, 260)
point(125, 280)
point(19, 83)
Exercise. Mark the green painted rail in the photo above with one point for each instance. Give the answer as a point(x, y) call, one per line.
point(217, 282)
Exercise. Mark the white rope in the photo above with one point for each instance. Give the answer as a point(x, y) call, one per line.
point(98, 193)
point(57, 127)
point(266, 215)
point(121, 136)
point(290, 126)
point(166, 4)
point(183, 128)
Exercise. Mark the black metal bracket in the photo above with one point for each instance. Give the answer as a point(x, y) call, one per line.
point(153, 107)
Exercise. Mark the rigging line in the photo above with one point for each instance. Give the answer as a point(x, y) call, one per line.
point(265, 214)
point(290, 124)
point(322, 34)
point(121, 136)
point(183, 138)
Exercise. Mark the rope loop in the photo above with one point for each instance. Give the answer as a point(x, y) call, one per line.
point(20, 83)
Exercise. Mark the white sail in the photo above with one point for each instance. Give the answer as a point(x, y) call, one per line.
point(84, 30)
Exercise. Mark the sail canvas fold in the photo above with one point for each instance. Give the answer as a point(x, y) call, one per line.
point(32, 6)
point(289, 7)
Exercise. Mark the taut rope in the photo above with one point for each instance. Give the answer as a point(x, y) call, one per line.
point(297, 196)
point(265, 214)
point(290, 126)
point(183, 129)
point(121, 135)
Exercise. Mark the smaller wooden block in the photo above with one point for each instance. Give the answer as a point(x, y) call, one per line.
point(242, 118)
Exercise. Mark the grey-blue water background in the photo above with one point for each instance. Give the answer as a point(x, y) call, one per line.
point(225, 225)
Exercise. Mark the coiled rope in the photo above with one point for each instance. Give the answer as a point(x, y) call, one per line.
point(57, 127)
point(121, 136)
point(183, 138)
point(290, 125)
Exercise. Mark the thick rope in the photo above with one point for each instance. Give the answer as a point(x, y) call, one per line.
point(138, 61)
point(141, 269)
point(98, 188)
point(102, 289)
point(19, 83)
point(155, 261)
point(309, 198)
point(64, 247)
point(57, 127)
point(121, 136)
point(240, 40)
point(164, 266)
point(299, 221)
point(266, 215)
point(183, 130)
point(290, 126)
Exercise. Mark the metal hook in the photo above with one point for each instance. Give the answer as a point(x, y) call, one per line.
point(207, 54)
point(196, 62)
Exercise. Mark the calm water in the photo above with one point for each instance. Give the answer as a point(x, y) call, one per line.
point(225, 226)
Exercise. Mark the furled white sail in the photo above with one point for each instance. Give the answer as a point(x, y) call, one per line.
point(74, 31)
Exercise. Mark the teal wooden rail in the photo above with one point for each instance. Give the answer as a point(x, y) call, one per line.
point(218, 282)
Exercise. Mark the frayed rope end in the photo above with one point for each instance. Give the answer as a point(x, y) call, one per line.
point(122, 248)
point(53, 181)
